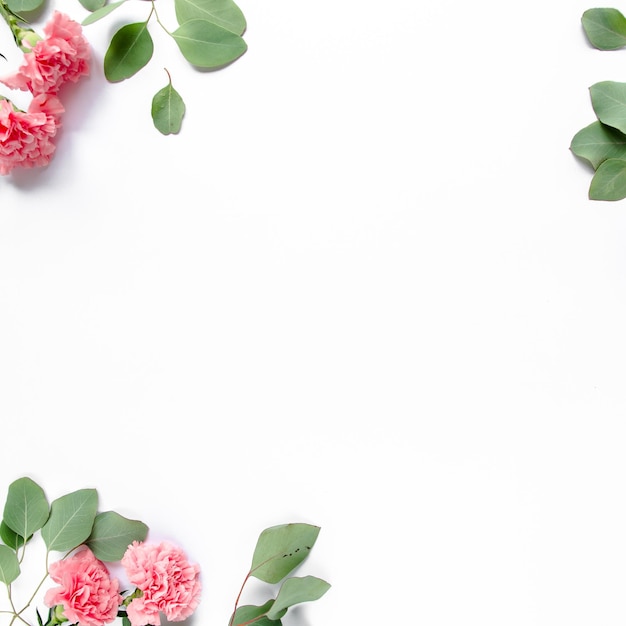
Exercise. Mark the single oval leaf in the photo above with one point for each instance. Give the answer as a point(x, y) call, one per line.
point(280, 549)
point(26, 509)
point(609, 181)
point(24, 6)
point(100, 13)
point(92, 5)
point(130, 50)
point(224, 13)
point(71, 520)
point(597, 143)
point(11, 538)
point(297, 590)
point(605, 28)
point(608, 99)
point(9, 565)
point(168, 110)
point(208, 45)
point(112, 534)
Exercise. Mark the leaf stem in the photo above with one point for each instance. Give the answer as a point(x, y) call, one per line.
point(245, 580)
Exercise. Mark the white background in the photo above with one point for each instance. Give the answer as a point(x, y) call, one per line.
point(363, 288)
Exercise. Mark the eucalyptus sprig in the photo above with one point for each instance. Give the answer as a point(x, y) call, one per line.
point(603, 142)
point(208, 34)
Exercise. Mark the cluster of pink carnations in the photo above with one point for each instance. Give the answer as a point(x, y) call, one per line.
point(61, 56)
point(165, 583)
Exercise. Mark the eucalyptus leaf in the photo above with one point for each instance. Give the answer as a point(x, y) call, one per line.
point(102, 12)
point(24, 6)
point(605, 28)
point(256, 615)
point(224, 13)
point(597, 143)
point(92, 5)
point(11, 538)
point(71, 520)
point(609, 181)
point(280, 549)
point(9, 565)
point(205, 44)
point(608, 99)
point(168, 110)
point(297, 590)
point(26, 509)
point(112, 534)
point(129, 51)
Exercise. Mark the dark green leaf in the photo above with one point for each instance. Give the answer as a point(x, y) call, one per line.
point(608, 99)
point(9, 565)
point(207, 45)
point(11, 538)
point(71, 520)
point(100, 13)
point(112, 534)
point(297, 590)
point(609, 181)
point(598, 142)
point(256, 615)
point(280, 549)
point(605, 28)
point(168, 110)
point(130, 50)
point(26, 509)
point(224, 13)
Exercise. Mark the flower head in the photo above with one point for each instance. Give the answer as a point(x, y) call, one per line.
point(87, 593)
point(168, 582)
point(62, 56)
point(26, 136)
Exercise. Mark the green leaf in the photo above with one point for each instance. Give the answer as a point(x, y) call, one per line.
point(24, 6)
point(256, 615)
point(92, 5)
point(112, 534)
point(130, 49)
point(207, 45)
point(168, 110)
point(11, 538)
point(71, 520)
point(297, 590)
point(280, 549)
point(9, 565)
point(598, 142)
point(608, 99)
point(26, 509)
point(224, 13)
point(609, 181)
point(100, 13)
point(605, 28)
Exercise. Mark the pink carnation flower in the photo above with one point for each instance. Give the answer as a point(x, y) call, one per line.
point(26, 137)
point(62, 56)
point(89, 596)
point(169, 583)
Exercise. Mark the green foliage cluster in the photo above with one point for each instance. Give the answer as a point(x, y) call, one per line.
point(209, 35)
point(279, 551)
point(603, 142)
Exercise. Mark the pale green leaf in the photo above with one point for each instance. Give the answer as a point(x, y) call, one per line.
point(605, 28)
point(24, 6)
point(71, 520)
point(208, 45)
point(608, 99)
point(280, 549)
point(168, 110)
point(597, 143)
point(26, 509)
point(102, 12)
point(256, 615)
point(609, 181)
point(9, 565)
point(112, 534)
point(224, 13)
point(92, 5)
point(297, 590)
point(130, 50)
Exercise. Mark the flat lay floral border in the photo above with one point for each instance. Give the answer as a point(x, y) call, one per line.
point(85, 543)
point(208, 34)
